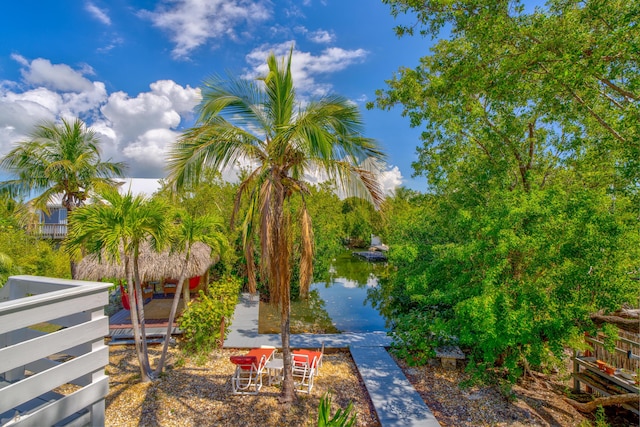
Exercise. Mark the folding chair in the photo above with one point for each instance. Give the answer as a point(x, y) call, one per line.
point(247, 377)
point(305, 364)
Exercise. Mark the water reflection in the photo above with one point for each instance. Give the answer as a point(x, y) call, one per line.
point(338, 304)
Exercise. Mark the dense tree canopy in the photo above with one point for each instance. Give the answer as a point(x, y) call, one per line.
point(531, 149)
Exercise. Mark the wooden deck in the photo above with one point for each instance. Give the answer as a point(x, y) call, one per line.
point(156, 321)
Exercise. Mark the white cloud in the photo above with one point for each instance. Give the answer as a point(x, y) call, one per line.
point(159, 108)
point(148, 151)
point(317, 36)
point(321, 36)
point(390, 179)
point(115, 42)
point(57, 77)
point(135, 129)
point(192, 23)
point(305, 66)
point(99, 14)
point(144, 126)
point(139, 186)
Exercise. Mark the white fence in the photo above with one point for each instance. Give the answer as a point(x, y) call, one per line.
point(52, 352)
point(53, 231)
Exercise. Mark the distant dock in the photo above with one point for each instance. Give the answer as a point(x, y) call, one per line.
point(371, 256)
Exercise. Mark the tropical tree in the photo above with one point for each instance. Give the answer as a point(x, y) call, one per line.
point(114, 228)
point(59, 160)
point(530, 147)
point(189, 230)
point(260, 121)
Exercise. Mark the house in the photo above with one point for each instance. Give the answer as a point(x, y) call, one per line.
point(54, 225)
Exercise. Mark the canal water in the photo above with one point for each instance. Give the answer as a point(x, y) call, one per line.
point(336, 305)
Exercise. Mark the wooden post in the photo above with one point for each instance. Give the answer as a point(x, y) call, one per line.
point(576, 370)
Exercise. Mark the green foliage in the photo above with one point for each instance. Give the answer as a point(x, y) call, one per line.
point(610, 333)
point(60, 159)
point(359, 218)
point(211, 196)
point(339, 419)
point(601, 418)
point(514, 279)
point(530, 223)
point(201, 320)
point(26, 254)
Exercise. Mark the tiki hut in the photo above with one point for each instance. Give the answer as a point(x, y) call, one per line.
point(153, 266)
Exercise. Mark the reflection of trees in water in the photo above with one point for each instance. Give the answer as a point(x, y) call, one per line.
point(311, 316)
point(307, 316)
point(353, 269)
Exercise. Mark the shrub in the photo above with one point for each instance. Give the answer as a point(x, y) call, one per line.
point(202, 319)
point(339, 419)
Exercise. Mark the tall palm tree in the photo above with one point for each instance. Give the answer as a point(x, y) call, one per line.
point(59, 160)
point(190, 229)
point(115, 228)
point(262, 122)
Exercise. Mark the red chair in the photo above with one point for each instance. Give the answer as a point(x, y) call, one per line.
point(247, 378)
point(125, 298)
point(194, 282)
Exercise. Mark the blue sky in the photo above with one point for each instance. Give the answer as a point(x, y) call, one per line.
point(131, 68)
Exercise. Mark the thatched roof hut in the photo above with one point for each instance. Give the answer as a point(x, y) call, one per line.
point(152, 265)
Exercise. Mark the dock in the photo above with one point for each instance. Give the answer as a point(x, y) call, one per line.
point(371, 256)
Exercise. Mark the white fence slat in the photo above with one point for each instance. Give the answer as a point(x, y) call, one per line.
point(10, 321)
point(67, 405)
point(29, 388)
point(55, 342)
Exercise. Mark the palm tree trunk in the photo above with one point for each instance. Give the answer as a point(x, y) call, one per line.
point(144, 374)
point(288, 392)
point(280, 269)
point(139, 305)
point(185, 289)
point(172, 313)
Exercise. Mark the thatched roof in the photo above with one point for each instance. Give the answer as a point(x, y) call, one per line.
point(152, 265)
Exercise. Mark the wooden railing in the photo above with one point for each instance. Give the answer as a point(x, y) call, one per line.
point(52, 352)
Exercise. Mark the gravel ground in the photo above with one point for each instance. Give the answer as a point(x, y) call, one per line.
point(199, 394)
point(537, 401)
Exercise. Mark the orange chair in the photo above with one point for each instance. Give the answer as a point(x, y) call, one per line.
point(305, 365)
point(247, 377)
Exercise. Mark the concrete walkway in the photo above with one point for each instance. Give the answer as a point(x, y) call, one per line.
point(395, 400)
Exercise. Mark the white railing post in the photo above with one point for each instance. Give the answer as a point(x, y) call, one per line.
point(52, 333)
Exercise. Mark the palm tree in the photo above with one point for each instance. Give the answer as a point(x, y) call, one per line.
point(189, 230)
point(261, 121)
point(59, 160)
point(115, 228)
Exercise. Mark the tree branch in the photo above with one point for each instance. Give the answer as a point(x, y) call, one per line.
point(618, 89)
point(617, 399)
point(631, 324)
point(589, 109)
